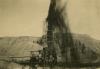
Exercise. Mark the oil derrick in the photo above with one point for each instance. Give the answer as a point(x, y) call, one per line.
point(58, 32)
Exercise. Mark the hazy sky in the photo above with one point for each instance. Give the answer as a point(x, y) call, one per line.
point(26, 17)
point(22, 17)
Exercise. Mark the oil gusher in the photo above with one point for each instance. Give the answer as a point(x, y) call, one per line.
point(59, 39)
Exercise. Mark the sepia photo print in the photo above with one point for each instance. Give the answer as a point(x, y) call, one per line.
point(49, 34)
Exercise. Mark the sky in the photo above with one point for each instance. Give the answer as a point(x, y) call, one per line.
point(26, 17)
point(22, 17)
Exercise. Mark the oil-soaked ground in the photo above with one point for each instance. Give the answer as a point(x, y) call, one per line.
point(6, 65)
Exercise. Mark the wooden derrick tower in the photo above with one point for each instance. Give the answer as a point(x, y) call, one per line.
point(59, 38)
